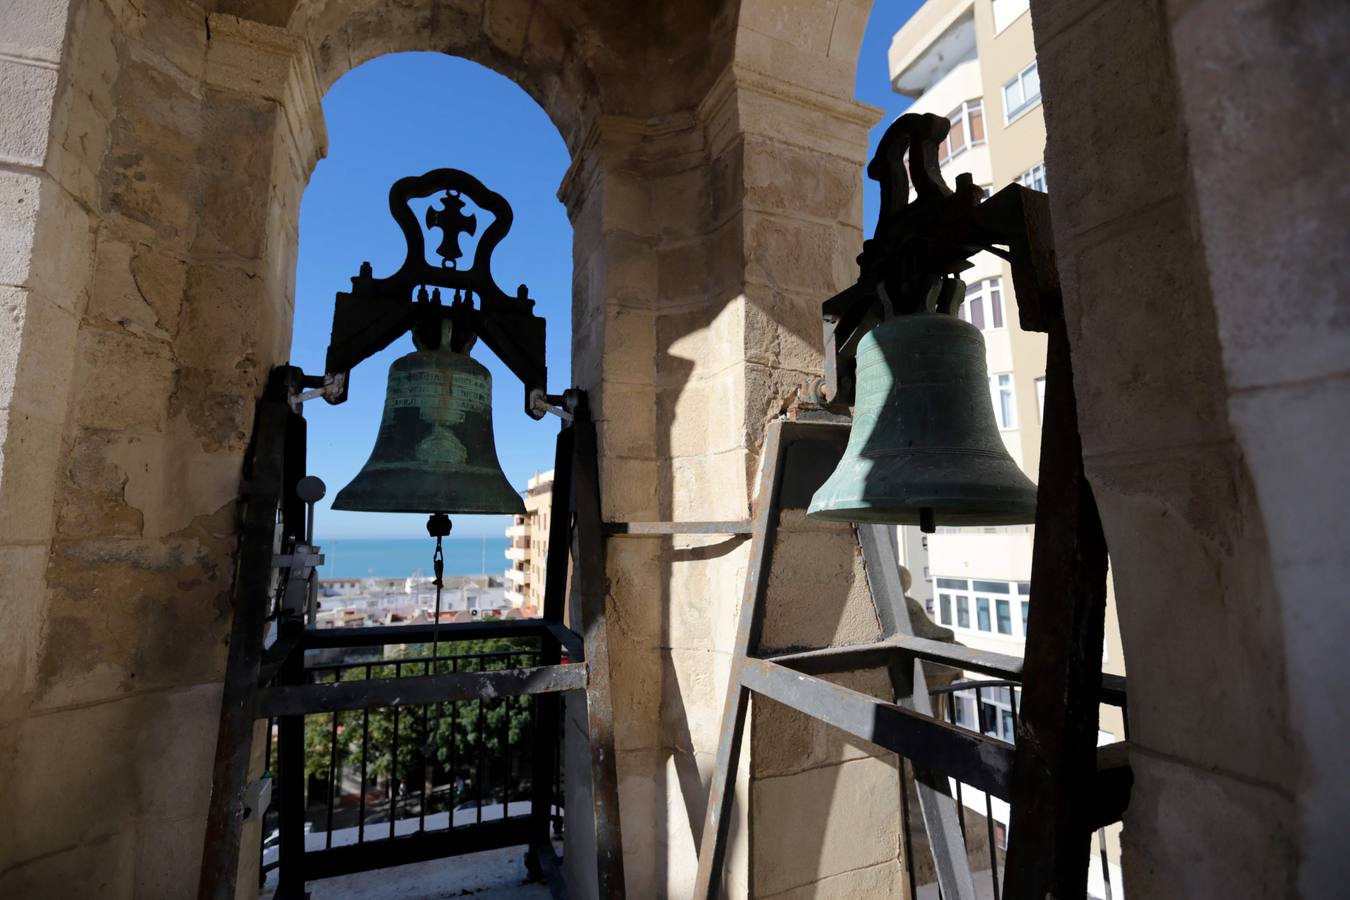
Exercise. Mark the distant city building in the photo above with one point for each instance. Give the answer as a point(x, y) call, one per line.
point(360, 602)
point(974, 62)
point(528, 551)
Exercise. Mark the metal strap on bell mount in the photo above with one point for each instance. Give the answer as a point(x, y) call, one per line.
point(921, 447)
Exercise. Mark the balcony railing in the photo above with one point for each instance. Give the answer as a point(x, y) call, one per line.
point(385, 786)
point(996, 707)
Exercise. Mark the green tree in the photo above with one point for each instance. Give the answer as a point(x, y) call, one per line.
point(464, 743)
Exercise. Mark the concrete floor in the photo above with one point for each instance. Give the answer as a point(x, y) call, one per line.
point(490, 875)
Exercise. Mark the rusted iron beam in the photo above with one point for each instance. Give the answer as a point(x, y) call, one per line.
point(722, 788)
point(974, 759)
point(569, 640)
point(590, 588)
point(265, 472)
point(305, 699)
point(548, 708)
point(647, 529)
point(1050, 831)
point(1113, 783)
point(881, 565)
point(878, 653)
point(289, 638)
point(848, 658)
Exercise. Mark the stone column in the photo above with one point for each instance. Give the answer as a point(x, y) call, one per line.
point(1273, 208)
point(1199, 224)
point(823, 807)
point(705, 243)
point(157, 300)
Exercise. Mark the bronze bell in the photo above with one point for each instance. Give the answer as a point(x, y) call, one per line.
point(924, 448)
point(434, 452)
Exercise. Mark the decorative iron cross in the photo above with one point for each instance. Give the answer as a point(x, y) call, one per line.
point(451, 220)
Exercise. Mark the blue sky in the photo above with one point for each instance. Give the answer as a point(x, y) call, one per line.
point(404, 115)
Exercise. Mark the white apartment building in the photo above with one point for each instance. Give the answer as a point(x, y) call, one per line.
point(528, 550)
point(974, 62)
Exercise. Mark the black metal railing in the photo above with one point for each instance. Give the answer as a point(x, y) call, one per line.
point(996, 708)
point(375, 779)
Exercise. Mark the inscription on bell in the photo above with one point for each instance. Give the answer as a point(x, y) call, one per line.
point(439, 396)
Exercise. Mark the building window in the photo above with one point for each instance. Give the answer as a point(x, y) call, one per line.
point(1004, 610)
point(1004, 407)
point(961, 710)
point(995, 710)
point(967, 130)
point(983, 306)
point(1040, 398)
point(992, 602)
point(1021, 93)
point(1007, 11)
point(1034, 177)
point(1026, 607)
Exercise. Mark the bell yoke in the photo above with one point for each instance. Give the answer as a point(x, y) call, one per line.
point(435, 452)
point(924, 448)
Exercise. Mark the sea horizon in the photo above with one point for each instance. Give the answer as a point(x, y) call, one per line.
point(402, 557)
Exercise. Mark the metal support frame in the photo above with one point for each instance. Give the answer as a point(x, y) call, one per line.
point(1060, 786)
point(273, 682)
point(265, 478)
point(798, 455)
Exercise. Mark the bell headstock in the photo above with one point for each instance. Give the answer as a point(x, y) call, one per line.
point(925, 235)
point(379, 310)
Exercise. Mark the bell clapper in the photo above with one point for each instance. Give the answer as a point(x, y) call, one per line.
point(438, 526)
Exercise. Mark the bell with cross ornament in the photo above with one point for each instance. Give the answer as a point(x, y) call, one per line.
point(924, 448)
point(435, 451)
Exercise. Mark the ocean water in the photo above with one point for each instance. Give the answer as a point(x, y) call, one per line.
point(400, 557)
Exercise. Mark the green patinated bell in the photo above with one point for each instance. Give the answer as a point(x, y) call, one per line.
point(924, 435)
point(434, 452)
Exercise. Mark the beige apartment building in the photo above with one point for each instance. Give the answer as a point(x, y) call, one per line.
point(974, 61)
point(528, 550)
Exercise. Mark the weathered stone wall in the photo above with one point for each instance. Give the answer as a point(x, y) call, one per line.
point(1200, 227)
point(705, 241)
point(152, 198)
point(152, 155)
point(153, 172)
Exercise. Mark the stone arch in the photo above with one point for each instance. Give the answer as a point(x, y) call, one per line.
point(527, 43)
point(161, 197)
